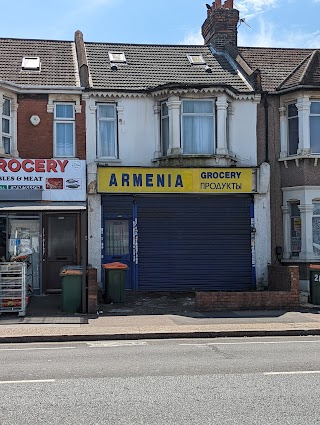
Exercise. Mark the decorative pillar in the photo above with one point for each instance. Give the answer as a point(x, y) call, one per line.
point(222, 105)
point(230, 129)
point(306, 214)
point(156, 110)
point(174, 125)
point(303, 106)
point(286, 232)
point(283, 132)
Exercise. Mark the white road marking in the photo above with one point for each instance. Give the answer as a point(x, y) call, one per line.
point(251, 342)
point(31, 381)
point(111, 344)
point(298, 372)
point(37, 348)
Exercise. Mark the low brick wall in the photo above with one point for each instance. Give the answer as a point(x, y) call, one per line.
point(283, 292)
point(92, 290)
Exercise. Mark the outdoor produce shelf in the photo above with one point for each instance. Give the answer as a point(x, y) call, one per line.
point(13, 291)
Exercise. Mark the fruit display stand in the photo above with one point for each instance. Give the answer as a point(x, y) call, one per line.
point(13, 290)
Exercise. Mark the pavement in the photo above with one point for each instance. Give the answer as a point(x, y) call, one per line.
point(151, 316)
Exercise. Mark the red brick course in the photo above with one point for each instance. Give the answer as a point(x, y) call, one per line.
point(253, 300)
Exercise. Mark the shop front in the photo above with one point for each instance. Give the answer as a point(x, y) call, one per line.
point(43, 217)
point(180, 229)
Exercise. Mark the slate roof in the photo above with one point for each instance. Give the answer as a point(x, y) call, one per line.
point(149, 67)
point(58, 65)
point(283, 68)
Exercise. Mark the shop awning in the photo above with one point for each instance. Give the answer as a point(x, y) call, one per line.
point(41, 206)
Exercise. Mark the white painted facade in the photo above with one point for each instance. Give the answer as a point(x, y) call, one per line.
point(138, 120)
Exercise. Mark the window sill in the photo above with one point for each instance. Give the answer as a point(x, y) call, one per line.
point(197, 160)
point(300, 260)
point(106, 161)
point(298, 158)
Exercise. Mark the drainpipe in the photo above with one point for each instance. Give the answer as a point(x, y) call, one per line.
point(266, 115)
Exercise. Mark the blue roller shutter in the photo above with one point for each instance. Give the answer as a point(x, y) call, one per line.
point(115, 205)
point(194, 243)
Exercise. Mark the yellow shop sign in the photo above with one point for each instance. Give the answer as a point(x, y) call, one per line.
point(174, 180)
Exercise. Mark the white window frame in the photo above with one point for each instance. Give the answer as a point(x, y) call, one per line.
point(8, 118)
point(313, 115)
point(162, 119)
point(115, 120)
point(213, 115)
point(303, 104)
point(292, 118)
point(64, 120)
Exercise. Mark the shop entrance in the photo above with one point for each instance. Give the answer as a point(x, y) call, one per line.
point(61, 248)
point(20, 241)
point(117, 244)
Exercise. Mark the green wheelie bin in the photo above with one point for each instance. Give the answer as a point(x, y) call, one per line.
point(71, 278)
point(115, 281)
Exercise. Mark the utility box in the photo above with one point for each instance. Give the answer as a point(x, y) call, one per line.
point(115, 281)
point(71, 277)
point(315, 284)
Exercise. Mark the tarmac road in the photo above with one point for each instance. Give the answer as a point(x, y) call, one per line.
point(217, 381)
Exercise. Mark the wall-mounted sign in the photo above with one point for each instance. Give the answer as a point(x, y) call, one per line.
point(58, 179)
point(174, 180)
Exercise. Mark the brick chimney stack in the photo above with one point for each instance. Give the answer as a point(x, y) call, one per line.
point(221, 24)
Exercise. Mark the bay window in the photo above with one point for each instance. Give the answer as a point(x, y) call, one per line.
point(197, 126)
point(107, 130)
point(64, 130)
point(164, 128)
point(6, 126)
point(293, 129)
point(295, 224)
point(315, 127)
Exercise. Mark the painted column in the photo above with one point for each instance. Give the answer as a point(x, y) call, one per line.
point(306, 213)
point(283, 132)
point(174, 125)
point(222, 105)
point(303, 106)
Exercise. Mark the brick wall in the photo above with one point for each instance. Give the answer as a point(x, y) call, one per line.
point(92, 291)
point(220, 28)
point(37, 141)
point(255, 300)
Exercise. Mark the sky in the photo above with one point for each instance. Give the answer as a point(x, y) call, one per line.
point(265, 23)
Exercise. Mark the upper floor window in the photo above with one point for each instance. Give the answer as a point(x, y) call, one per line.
point(164, 128)
point(6, 126)
point(107, 130)
point(64, 130)
point(293, 129)
point(315, 127)
point(198, 126)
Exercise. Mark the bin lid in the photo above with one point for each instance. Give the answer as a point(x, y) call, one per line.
point(70, 270)
point(314, 266)
point(115, 265)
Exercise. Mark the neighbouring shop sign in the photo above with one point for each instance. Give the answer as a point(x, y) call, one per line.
point(58, 179)
point(175, 180)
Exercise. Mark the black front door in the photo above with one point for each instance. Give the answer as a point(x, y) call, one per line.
point(61, 245)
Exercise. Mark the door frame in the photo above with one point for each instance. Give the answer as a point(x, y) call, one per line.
point(45, 241)
point(130, 272)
